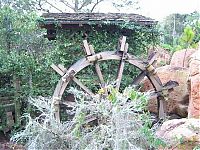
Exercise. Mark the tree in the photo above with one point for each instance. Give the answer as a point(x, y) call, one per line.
point(80, 5)
point(187, 37)
point(173, 26)
point(181, 30)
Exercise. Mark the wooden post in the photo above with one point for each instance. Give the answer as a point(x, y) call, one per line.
point(17, 99)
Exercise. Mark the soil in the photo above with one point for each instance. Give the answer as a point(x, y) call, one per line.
point(6, 145)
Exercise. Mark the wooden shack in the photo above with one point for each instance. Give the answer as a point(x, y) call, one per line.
point(89, 21)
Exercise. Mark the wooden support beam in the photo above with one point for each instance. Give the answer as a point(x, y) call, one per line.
point(121, 67)
point(123, 43)
point(62, 68)
point(86, 48)
point(139, 78)
point(98, 69)
point(82, 86)
point(57, 69)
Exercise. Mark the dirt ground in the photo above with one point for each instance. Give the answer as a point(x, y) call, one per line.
point(6, 145)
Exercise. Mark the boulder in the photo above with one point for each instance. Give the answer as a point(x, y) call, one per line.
point(178, 99)
point(181, 58)
point(180, 133)
point(194, 86)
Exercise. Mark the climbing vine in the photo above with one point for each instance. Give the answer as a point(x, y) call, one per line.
point(26, 56)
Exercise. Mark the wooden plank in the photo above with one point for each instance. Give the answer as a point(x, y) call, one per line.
point(121, 68)
point(62, 67)
point(162, 108)
point(90, 118)
point(69, 104)
point(99, 74)
point(57, 69)
point(123, 43)
point(91, 49)
point(87, 48)
point(154, 79)
point(152, 59)
point(98, 69)
point(82, 86)
point(63, 87)
point(139, 78)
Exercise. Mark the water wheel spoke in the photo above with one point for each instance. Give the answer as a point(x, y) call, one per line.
point(152, 59)
point(99, 74)
point(121, 65)
point(97, 67)
point(119, 73)
point(122, 56)
point(79, 83)
point(139, 78)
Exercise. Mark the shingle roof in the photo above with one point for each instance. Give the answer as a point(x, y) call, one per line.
point(96, 18)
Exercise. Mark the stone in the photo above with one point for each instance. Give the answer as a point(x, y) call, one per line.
point(178, 99)
point(181, 58)
point(194, 86)
point(180, 133)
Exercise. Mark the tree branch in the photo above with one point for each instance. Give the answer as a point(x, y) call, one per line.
point(97, 2)
point(67, 4)
point(85, 3)
point(53, 6)
point(41, 8)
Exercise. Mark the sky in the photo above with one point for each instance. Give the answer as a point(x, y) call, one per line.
point(158, 9)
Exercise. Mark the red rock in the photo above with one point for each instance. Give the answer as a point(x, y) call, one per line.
point(178, 99)
point(180, 133)
point(181, 58)
point(194, 86)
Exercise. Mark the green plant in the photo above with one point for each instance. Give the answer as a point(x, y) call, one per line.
point(187, 37)
point(116, 123)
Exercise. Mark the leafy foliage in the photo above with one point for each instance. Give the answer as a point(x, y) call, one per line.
point(187, 37)
point(118, 125)
point(181, 31)
point(26, 55)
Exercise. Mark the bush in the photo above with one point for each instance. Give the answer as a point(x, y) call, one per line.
point(118, 121)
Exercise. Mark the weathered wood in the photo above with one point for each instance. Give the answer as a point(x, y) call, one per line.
point(139, 78)
point(56, 99)
point(17, 100)
point(68, 103)
point(86, 48)
point(62, 68)
point(123, 43)
point(94, 59)
point(157, 84)
point(121, 65)
point(83, 63)
point(82, 86)
point(98, 69)
point(57, 69)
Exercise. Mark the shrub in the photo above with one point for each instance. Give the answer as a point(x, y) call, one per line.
point(118, 121)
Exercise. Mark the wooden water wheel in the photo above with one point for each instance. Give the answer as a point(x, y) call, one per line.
point(121, 55)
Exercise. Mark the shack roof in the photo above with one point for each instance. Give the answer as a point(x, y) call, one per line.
point(94, 18)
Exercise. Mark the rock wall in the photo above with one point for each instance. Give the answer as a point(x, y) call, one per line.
point(180, 134)
point(181, 58)
point(194, 86)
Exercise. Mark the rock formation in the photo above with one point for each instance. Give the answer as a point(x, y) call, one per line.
point(181, 58)
point(194, 86)
point(180, 134)
point(178, 99)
